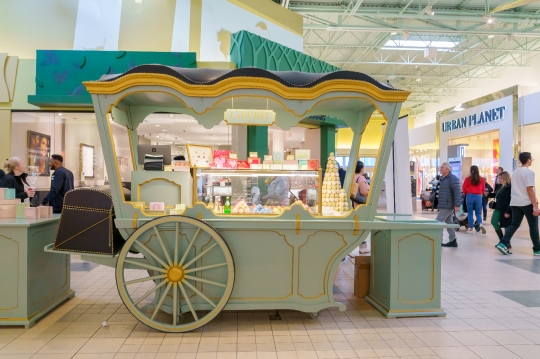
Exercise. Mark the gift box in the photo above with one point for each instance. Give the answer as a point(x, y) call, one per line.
point(9, 193)
point(268, 158)
point(221, 159)
point(290, 167)
point(314, 165)
point(242, 165)
point(31, 213)
point(9, 201)
point(43, 211)
point(265, 166)
point(303, 164)
point(19, 210)
point(276, 166)
point(290, 162)
point(157, 206)
point(8, 211)
point(268, 162)
point(232, 163)
point(254, 160)
point(257, 166)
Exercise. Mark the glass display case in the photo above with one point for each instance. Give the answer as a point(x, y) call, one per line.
point(243, 192)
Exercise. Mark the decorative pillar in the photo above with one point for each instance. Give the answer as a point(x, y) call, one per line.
point(328, 141)
point(239, 140)
point(257, 140)
point(278, 142)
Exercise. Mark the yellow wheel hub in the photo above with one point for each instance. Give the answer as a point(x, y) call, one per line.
point(175, 274)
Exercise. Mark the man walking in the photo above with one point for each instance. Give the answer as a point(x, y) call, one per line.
point(61, 182)
point(524, 204)
point(448, 197)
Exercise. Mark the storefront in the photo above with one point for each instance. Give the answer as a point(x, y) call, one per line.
point(423, 157)
point(484, 135)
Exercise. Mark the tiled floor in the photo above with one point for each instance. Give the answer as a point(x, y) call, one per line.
point(481, 323)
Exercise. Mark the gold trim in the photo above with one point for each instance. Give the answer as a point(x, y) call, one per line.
point(199, 146)
point(327, 265)
point(157, 179)
point(135, 216)
point(81, 160)
point(243, 82)
point(355, 225)
point(297, 224)
point(432, 271)
point(18, 264)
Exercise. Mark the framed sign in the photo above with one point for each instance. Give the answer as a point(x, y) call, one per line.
point(39, 152)
point(87, 160)
point(200, 156)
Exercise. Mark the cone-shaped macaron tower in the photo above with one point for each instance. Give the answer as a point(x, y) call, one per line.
point(333, 196)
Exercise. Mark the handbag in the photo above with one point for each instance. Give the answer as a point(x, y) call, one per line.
point(355, 194)
point(491, 204)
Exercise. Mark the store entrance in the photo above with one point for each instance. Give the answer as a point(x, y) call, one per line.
point(483, 150)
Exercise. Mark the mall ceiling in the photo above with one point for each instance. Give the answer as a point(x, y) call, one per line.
point(430, 47)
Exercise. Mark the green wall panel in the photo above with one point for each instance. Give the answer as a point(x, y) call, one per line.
point(248, 49)
point(60, 73)
point(257, 140)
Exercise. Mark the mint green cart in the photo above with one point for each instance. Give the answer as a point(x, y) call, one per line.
point(176, 273)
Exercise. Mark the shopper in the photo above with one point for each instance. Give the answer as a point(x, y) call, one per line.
point(61, 183)
point(488, 191)
point(523, 204)
point(474, 187)
point(2, 174)
point(502, 213)
point(16, 178)
point(496, 183)
point(448, 197)
point(360, 197)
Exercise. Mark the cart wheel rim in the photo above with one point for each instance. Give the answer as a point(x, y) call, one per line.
point(184, 269)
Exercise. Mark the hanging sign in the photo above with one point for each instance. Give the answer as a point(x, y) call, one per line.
point(250, 117)
point(476, 119)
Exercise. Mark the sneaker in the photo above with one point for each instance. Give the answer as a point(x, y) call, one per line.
point(482, 229)
point(470, 229)
point(450, 244)
point(502, 248)
point(536, 253)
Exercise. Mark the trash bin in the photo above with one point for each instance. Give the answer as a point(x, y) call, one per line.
point(361, 275)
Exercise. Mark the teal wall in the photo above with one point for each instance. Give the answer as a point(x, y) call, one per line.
point(60, 73)
point(257, 140)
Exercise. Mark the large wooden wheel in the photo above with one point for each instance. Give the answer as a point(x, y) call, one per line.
point(175, 273)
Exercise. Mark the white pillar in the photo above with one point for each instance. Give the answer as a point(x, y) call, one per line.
point(239, 141)
point(278, 141)
point(397, 177)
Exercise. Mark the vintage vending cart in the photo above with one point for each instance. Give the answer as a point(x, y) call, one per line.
point(176, 272)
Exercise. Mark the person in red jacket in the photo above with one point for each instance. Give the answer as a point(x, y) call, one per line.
point(473, 188)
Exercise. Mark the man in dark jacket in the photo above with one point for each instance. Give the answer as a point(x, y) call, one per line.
point(2, 174)
point(61, 182)
point(448, 196)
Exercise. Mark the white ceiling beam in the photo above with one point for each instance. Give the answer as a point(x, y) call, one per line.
point(513, 4)
point(442, 64)
point(453, 50)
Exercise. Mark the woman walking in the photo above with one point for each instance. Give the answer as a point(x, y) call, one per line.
point(502, 213)
point(474, 187)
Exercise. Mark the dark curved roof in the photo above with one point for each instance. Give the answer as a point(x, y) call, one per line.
point(204, 76)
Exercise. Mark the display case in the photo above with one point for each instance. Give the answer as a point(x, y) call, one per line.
point(257, 191)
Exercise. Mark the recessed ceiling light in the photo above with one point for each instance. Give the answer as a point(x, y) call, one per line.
point(489, 20)
point(429, 10)
point(59, 114)
point(418, 79)
point(157, 125)
point(491, 36)
point(171, 115)
point(393, 33)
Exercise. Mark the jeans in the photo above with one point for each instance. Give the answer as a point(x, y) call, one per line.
point(474, 204)
point(517, 217)
point(484, 207)
point(447, 216)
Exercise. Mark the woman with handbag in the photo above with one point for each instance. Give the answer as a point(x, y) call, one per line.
point(473, 188)
point(359, 187)
point(502, 213)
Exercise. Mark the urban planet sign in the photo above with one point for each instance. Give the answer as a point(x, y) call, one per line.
point(476, 119)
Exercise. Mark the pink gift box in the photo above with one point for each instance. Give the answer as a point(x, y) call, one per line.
point(157, 206)
point(43, 211)
point(31, 212)
point(8, 211)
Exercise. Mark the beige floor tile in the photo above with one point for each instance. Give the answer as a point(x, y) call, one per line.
point(51, 356)
point(225, 355)
point(144, 356)
point(267, 347)
point(76, 330)
point(43, 331)
point(102, 355)
point(303, 354)
point(404, 352)
point(455, 353)
point(115, 331)
point(438, 339)
point(24, 346)
point(149, 348)
point(304, 347)
point(12, 333)
point(209, 355)
point(165, 356)
point(168, 348)
point(505, 337)
point(493, 352)
point(129, 348)
point(63, 346)
point(266, 355)
point(287, 355)
point(246, 355)
point(16, 356)
point(346, 354)
point(525, 351)
point(188, 348)
point(473, 338)
point(102, 345)
point(326, 354)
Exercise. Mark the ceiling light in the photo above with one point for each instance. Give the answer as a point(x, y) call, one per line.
point(489, 20)
point(157, 125)
point(393, 33)
point(59, 114)
point(138, 1)
point(164, 130)
point(491, 36)
point(429, 10)
point(418, 79)
point(171, 115)
point(406, 35)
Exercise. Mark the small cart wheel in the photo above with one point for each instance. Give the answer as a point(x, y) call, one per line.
point(314, 315)
point(175, 273)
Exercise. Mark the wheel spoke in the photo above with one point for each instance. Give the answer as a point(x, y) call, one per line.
point(188, 301)
point(199, 293)
point(175, 302)
point(176, 245)
point(204, 268)
point(161, 299)
point(189, 247)
point(163, 247)
point(200, 255)
point(147, 266)
point(161, 276)
point(205, 281)
point(150, 292)
point(152, 253)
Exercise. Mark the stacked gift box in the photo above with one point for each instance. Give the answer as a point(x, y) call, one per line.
point(227, 159)
point(11, 207)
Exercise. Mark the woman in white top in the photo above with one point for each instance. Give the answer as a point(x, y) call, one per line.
point(363, 186)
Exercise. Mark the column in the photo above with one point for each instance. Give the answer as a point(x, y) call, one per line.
point(239, 141)
point(278, 141)
point(257, 140)
point(5, 135)
point(328, 141)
